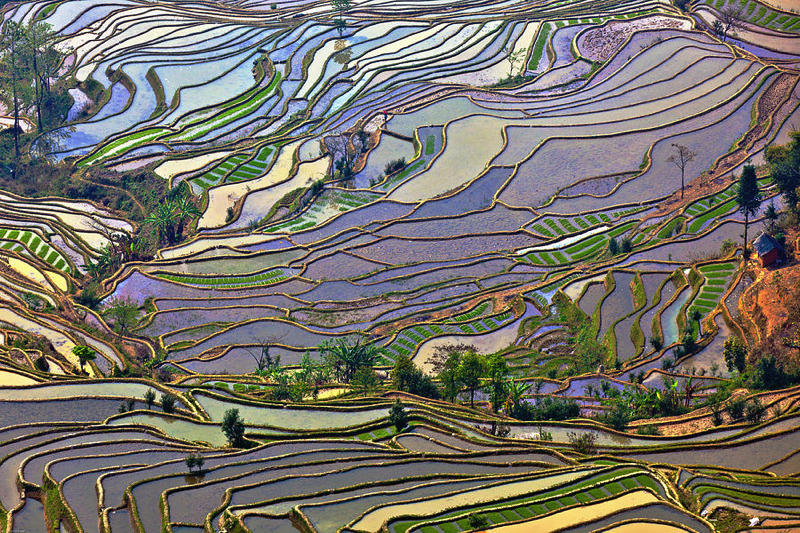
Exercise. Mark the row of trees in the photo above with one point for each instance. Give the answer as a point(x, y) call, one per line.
point(29, 61)
point(456, 370)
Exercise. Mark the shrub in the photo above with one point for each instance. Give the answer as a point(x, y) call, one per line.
point(649, 429)
point(716, 415)
point(656, 342)
point(477, 521)
point(754, 411)
point(584, 443)
point(618, 416)
point(168, 402)
point(549, 409)
point(394, 166)
point(41, 364)
point(736, 409)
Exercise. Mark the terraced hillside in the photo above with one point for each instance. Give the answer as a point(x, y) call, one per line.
point(358, 189)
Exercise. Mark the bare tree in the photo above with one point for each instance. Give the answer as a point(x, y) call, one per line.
point(344, 149)
point(514, 58)
point(265, 363)
point(730, 19)
point(682, 157)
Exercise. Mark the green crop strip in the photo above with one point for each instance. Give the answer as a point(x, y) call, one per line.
point(538, 47)
point(33, 245)
point(530, 506)
point(228, 115)
point(122, 145)
point(266, 278)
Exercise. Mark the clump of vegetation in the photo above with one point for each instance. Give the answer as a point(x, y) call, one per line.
point(195, 461)
point(408, 377)
point(168, 401)
point(233, 427)
point(395, 165)
point(398, 417)
point(583, 443)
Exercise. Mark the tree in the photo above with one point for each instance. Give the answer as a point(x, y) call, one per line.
point(730, 19)
point(771, 217)
point(14, 74)
point(513, 57)
point(445, 362)
point(748, 198)
point(477, 521)
point(470, 372)
point(403, 373)
point(771, 374)
point(124, 313)
point(185, 210)
point(168, 402)
point(398, 416)
point(149, 398)
point(43, 58)
point(346, 356)
point(365, 381)
point(233, 427)
point(496, 386)
point(408, 377)
point(449, 380)
point(613, 246)
point(683, 5)
point(784, 167)
point(681, 158)
point(341, 7)
point(84, 354)
point(195, 461)
point(344, 150)
point(264, 363)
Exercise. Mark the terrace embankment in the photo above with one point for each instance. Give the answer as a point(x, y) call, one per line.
point(709, 182)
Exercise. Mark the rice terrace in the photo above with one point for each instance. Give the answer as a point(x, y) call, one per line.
point(399, 266)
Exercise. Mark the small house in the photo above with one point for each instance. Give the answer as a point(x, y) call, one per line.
point(768, 249)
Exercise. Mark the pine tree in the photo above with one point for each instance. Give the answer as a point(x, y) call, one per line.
point(748, 198)
point(398, 416)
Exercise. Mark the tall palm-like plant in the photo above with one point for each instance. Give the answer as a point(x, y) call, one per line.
point(184, 210)
point(516, 392)
point(347, 355)
point(163, 221)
